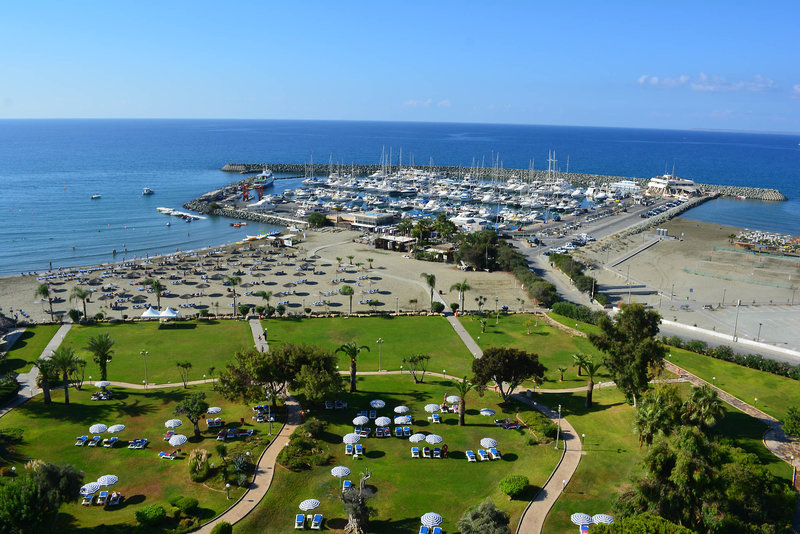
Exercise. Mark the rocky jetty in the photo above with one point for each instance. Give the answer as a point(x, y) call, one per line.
point(320, 169)
point(212, 208)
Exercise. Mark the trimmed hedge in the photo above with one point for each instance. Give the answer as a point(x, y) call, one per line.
point(578, 312)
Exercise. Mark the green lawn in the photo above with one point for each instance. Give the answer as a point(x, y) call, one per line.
point(405, 487)
point(612, 453)
point(27, 348)
point(554, 347)
point(50, 432)
point(775, 393)
point(403, 337)
point(204, 343)
point(586, 328)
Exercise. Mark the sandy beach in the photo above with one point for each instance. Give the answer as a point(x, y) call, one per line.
point(307, 275)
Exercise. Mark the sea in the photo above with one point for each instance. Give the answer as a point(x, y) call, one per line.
point(49, 169)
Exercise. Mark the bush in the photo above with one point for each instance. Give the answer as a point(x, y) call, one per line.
point(5, 471)
point(513, 485)
point(437, 307)
point(302, 452)
point(151, 515)
point(578, 312)
point(601, 298)
point(187, 505)
point(317, 220)
point(222, 528)
point(314, 427)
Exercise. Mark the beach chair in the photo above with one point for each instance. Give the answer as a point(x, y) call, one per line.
point(471, 456)
point(512, 426)
point(81, 441)
point(346, 485)
point(133, 443)
point(316, 523)
point(373, 414)
point(102, 497)
point(502, 422)
point(357, 430)
point(243, 432)
point(483, 455)
point(328, 405)
point(437, 418)
point(94, 441)
point(300, 521)
point(437, 452)
point(379, 432)
point(398, 431)
point(406, 431)
point(365, 432)
point(167, 455)
point(495, 453)
point(424, 530)
point(426, 452)
point(169, 434)
point(415, 452)
point(231, 434)
point(87, 499)
point(362, 413)
point(115, 499)
point(348, 450)
point(359, 449)
point(221, 435)
point(387, 432)
point(437, 530)
point(108, 443)
point(142, 443)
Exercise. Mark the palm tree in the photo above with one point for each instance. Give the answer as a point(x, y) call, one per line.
point(480, 300)
point(647, 422)
point(45, 368)
point(430, 280)
point(348, 292)
point(78, 293)
point(339, 260)
point(234, 281)
point(462, 288)
point(579, 360)
point(101, 348)
point(43, 291)
point(462, 388)
point(157, 286)
point(562, 370)
point(350, 257)
point(370, 260)
point(266, 295)
point(483, 325)
point(64, 361)
point(404, 226)
point(591, 369)
point(351, 350)
point(704, 408)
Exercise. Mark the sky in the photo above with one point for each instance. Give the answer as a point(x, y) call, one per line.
point(646, 64)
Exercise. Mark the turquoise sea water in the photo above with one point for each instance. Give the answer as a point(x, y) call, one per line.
point(50, 168)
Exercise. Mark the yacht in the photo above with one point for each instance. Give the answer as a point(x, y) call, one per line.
point(265, 178)
point(95, 196)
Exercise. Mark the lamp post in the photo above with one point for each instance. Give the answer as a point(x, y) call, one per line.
point(736, 322)
point(495, 304)
point(724, 289)
point(228, 491)
point(558, 431)
point(380, 346)
point(144, 354)
point(758, 336)
point(756, 402)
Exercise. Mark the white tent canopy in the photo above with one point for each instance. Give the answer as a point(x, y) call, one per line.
point(169, 313)
point(151, 313)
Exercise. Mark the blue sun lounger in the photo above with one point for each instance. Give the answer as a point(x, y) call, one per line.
point(300, 522)
point(316, 524)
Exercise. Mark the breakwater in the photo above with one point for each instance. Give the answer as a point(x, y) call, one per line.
point(211, 208)
point(323, 169)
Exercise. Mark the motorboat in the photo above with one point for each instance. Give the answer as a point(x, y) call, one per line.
point(95, 196)
point(147, 191)
point(264, 179)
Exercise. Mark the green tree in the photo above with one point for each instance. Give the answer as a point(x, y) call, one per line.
point(64, 362)
point(317, 220)
point(591, 368)
point(193, 407)
point(507, 368)
point(634, 356)
point(417, 365)
point(255, 375)
point(514, 485)
point(21, 507)
point(352, 350)
point(101, 347)
point(561, 371)
point(58, 484)
point(370, 260)
point(579, 361)
point(641, 524)
point(233, 281)
point(46, 372)
point(791, 423)
point(658, 413)
point(157, 287)
point(43, 291)
point(462, 288)
point(75, 315)
point(183, 368)
point(404, 226)
point(266, 295)
point(463, 388)
point(348, 291)
point(543, 293)
point(79, 293)
point(421, 231)
point(430, 281)
point(703, 408)
point(480, 300)
point(485, 518)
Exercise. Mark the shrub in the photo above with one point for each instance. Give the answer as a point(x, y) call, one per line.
point(437, 307)
point(75, 315)
point(578, 312)
point(513, 485)
point(317, 220)
point(601, 298)
point(187, 505)
point(5, 471)
point(222, 528)
point(314, 427)
point(151, 515)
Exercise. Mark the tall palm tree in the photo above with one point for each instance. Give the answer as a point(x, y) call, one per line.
point(704, 408)
point(64, 361)
point(101, 347)
point(351, 350)
point(404, 226)
point(43, 291)
point(647, 421)
point(78, 293)
point(348, 292)
point(591, 369)
point(462, 288)
point(579, 360)
point(234, 281)
point(45, 368)
point(430, 280)
point(266, 295)
point(658, 413)
point(463, 388)
point(370, 260)
point(157, 286)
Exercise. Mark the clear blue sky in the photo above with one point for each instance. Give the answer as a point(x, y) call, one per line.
point(699, 64)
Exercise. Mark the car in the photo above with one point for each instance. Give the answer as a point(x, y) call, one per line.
point(708, 307)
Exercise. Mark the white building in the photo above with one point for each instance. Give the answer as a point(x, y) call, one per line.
point(668, 185)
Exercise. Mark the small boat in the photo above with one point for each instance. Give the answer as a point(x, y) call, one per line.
point(169, 223)
point(147, 191)
point(95, 196)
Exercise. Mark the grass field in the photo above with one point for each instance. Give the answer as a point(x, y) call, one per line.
point(612, 454)
point(405, 487)
point(204, 343)
point(586, 328)
point(27, 348)
point(403, 337)
point(50, 432)
point(554, 347)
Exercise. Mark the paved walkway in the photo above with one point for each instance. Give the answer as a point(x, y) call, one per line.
point(261, 342)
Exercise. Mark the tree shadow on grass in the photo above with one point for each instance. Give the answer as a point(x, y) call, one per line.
point(133, 409)
point(22, 340)
point(398, 526)
point(177, 326)
point(375, 454)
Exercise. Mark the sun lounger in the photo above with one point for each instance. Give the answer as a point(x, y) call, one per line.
point(406, 431)
point(87, 499)
point(243, 432)
point(387, 432)
point(415, 452)
point(108, 443)
point(102, 497)
point(495, 453)
point(471, 456)
point(316, 524)
point(424, 530)
point(379, 432)
point(359, 449)
point(300, 522)
point(437, 530)
point(346, 485)
point(168, 435)
point(437, 452)
point(221, 435)
point(365, 432)
point(339, 405)
point(115, 498)
point(483, 455)
point(398, 431)
point(231, 434)
point(437, 418)
point(348, 449)
point(328, 405)
point(502, 422)
point(512, 426)
point(168, 455)
point(373, 414)
point(94, 441)
point(362, 413)
point(426, 452)
point(81, 441)
point(142, 443)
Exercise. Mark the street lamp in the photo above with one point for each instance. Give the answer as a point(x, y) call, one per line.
point(756, 402)
point(444, 373)
point(228, 491)
point(144, 354)
point(380, 346)
point(758, 336)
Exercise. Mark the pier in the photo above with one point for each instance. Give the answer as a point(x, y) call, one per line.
point(298, 170)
